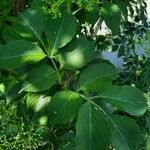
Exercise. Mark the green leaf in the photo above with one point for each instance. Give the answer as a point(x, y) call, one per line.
point(123, 5)
point(33, 107)
point(37, 108)
point(18, 53)
point(126, 98)
point(40, 78)
point(37, 102)
point(9, 34)
point(37, 5)
point(85, 16)
point(32, 22)
point(2, 88)
point(64, 106)
point(1, 23)
point(96, 77)
point(112, 16)
point(92, 129)
point(125, 133)
point(76, 54)
point(60, 31)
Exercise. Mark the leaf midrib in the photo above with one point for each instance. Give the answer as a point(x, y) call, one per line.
point(59, 31)
point(63, 106)
point(100, 109)
point(32, 29)
point(16, 56)
point(106, 75)
point(118, 99)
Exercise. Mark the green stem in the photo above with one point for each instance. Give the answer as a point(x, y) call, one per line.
point(69, 2)
point(84, 97)
point(56, 68)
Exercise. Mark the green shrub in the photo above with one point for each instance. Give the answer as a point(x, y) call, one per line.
point(66, 97)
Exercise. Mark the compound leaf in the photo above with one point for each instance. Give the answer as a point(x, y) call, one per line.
point(125, 133)
point(92, 128)
point(126, 98)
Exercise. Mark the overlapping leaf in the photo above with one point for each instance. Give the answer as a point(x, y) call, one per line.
point(76, 54)
point(60, 31)
point(126, 98)
point(125, 133)
point(92, 129)
point(9, 34)
point(112, 16)
point(40, 78)
point(64, 106)
point(96, 129)
point(18, 53)
point(37, 102)
point(32, 24)
point(88, 16)
point(97, 76)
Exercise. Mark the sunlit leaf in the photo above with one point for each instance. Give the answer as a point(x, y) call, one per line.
point(76, 54)
point(40, 78)
point(37, 102)
point(18, 53)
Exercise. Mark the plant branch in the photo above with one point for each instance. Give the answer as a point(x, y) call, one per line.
point(69, 3)
point(56, 68)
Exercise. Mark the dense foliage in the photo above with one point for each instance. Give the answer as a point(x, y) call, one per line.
point(56, 89)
